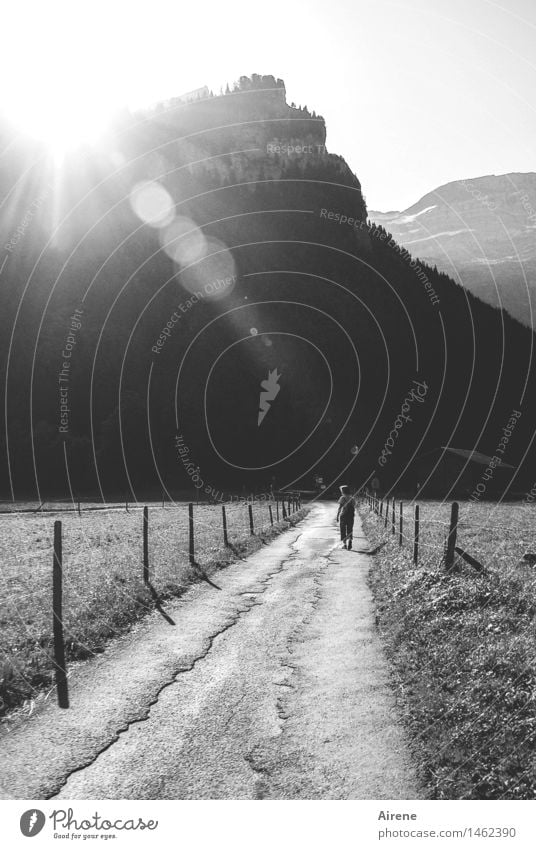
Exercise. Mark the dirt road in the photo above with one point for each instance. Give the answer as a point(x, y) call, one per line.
point(273, 687)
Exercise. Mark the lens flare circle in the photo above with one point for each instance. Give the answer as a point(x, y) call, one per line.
point(152, 203)
point(183, 241)
point(214, 275)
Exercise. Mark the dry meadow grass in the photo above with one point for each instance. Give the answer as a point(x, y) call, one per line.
point(103, 588)
point(463, 646)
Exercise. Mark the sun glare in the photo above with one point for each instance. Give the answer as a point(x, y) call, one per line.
point(59, 120)
point(69, 65)
point(62, 87)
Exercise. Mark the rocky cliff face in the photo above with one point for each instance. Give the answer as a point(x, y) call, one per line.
point(482, 232)
point(248, 135)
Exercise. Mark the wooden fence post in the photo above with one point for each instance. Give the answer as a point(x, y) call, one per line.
point(386, 512)
point(393, 517)
point(283, 508)
point(250, 510)
point(224, 520)
point(451, 540)
point(146, 545)
point(271, 514)
point(401, 527)
point(381, 507)
point(57, 619)
point(191, 545)
point(416, 537)
point(277, 508)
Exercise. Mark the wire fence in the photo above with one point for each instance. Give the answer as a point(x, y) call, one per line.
point(70, 584)
point(479, 675)
point(444, 533)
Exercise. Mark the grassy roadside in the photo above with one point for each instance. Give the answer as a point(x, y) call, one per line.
point(104, 593)
point(462, 648)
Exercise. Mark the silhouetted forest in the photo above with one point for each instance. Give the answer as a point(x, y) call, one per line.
point(346, 318)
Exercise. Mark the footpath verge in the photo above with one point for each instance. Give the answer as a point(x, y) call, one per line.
point(462, 650)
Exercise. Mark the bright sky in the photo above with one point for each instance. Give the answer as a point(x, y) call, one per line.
point(415, 92)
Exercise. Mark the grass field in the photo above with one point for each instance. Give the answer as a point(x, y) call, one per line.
point(103, 580)
point(463, 646)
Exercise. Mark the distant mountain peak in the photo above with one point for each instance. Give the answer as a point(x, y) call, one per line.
point(480, 231)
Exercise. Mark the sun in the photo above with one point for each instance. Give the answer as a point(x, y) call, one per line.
point(69, 65)
point(61, 122)
point(62, 89)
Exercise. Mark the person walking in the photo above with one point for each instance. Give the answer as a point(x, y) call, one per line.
point(345, 516)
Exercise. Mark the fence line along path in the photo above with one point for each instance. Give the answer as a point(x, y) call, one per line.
point(103, 569)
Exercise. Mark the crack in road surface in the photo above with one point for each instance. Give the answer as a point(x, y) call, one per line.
point(276, 688)
point(184, 670)
point(111, 692)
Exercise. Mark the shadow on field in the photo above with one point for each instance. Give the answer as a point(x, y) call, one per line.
point(378, 547)
point(235, 551)
point(158, 604)
point(204, 576)
point(371, 552)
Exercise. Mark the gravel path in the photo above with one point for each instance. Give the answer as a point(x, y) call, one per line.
point(273, 687)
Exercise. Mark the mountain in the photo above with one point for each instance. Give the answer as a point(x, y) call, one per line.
point(482, 232)
point(209, 261)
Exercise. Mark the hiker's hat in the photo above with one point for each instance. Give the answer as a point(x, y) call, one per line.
point(344, 488)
